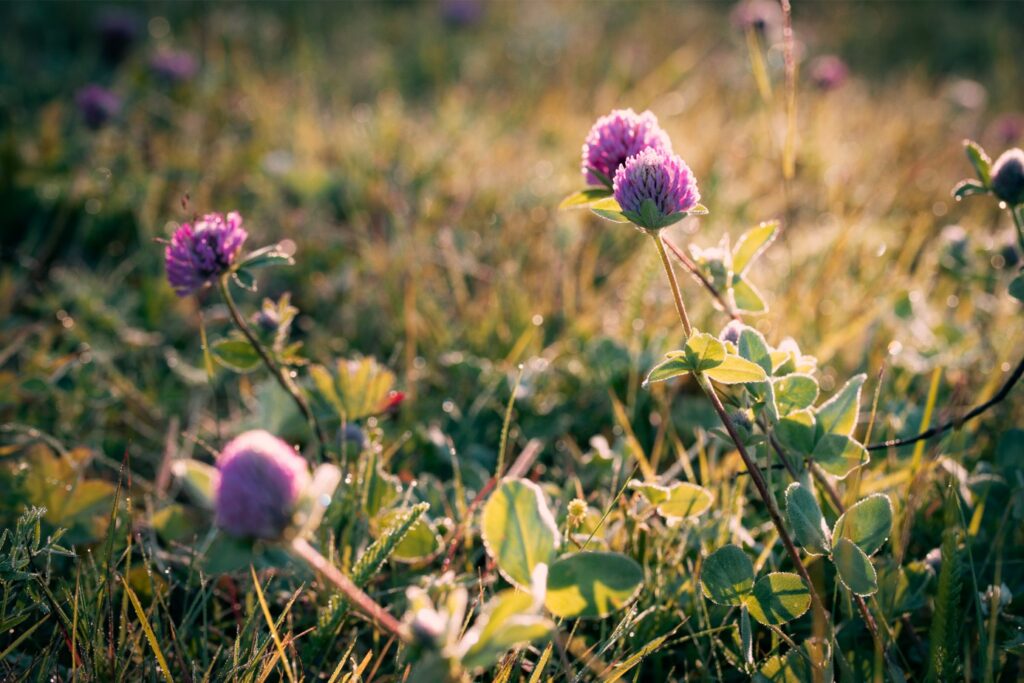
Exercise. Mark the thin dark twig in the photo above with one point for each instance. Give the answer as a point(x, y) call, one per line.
point(974, 412)
point(998, 397)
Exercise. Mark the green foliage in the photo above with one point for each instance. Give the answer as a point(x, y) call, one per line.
point(777, 598)
point(727, 576)
point(804, 514)
point(396, 529)
point(519, 531)
point(867, 523)
point(592, 584)
point(236, 354)
point(419, 539)
point(854, 567)
point(705, 355)
point(356, 389)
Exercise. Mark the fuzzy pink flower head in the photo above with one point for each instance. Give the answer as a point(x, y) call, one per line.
point(261, 479)
point(661, 181)
point(202, 251)
point(618, 136)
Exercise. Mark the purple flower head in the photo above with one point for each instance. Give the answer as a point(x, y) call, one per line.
point(261, 480)
point(829, 72)
point(1007, 129)
point(462, 12)
point(1008, 176)
point(174, 66)
point(618, 136)
point(763, 16)
point(118, 29)
point(654, 187)
point(97, 105)
point(202, 251)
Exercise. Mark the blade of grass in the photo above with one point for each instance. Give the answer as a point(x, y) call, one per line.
point(150, 636)
point(270, 625)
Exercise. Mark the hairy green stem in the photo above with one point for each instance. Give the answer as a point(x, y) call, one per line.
point(276, 370)
point(676, 295)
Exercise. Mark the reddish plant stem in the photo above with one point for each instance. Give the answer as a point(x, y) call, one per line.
point(350, 590)
point(752, 469)
point(765, 494)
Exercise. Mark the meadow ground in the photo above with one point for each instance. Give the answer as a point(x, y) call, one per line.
point(410, 159)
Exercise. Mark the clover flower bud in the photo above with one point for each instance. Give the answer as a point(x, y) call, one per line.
point(1008, 177)
point(97, 105)
point(616, 137)
point(267, 319)
point(576, 512)
point(741, 420)
point(654, 188)
point(201, 252)
point(261, 480)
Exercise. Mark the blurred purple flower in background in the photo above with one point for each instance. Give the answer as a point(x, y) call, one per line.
point(829, 72)
point(1007, 129)
point(118, 30)
point(97, 105)
point(618, 136)
point(763, 16)
point(261, 480)
point(202, 251)
point(1008, 177)
point(174, 66)
point(462, 12)
point(659, 176)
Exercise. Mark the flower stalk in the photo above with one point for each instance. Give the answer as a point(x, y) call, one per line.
point(350, 590)
point(282, 377)
point(730, 427)
point(676, 294)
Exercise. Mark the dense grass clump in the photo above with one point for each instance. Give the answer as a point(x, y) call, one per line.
point(389, 342)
